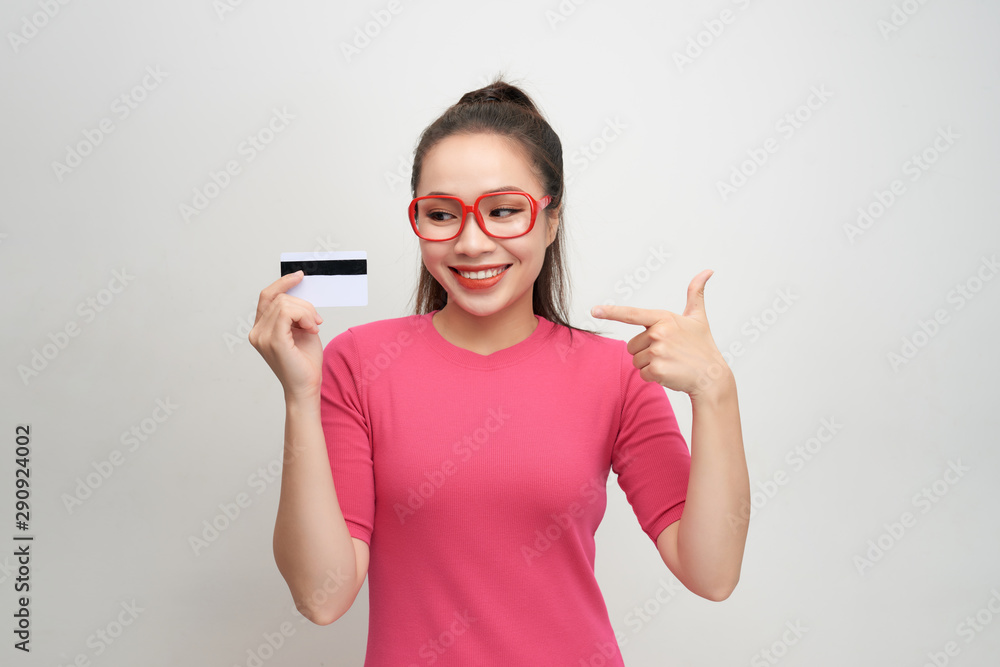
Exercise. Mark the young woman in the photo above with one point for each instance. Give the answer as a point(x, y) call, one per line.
point(458, 457)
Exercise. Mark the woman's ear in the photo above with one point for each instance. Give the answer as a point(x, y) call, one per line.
point(553, 223)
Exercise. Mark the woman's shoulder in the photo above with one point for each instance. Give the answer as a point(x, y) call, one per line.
point(393, 328)
point(364, 344)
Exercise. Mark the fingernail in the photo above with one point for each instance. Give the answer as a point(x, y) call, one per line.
point(597, 311)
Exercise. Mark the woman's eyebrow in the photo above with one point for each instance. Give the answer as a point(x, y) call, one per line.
point(502, 188)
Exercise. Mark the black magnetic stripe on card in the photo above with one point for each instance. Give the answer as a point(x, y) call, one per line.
point(327, 267)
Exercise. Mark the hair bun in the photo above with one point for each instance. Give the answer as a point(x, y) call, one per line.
point(499, 91)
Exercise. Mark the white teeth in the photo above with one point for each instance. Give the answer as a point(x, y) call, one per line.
point(479, 275)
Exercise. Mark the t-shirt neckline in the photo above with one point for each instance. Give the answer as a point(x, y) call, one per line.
point(509, 355)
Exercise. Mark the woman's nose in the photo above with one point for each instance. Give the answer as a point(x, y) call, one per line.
point(473, 241)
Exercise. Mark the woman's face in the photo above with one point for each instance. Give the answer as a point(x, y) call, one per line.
point(467, 166)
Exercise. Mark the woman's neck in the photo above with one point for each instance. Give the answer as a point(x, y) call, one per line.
point(485, 334)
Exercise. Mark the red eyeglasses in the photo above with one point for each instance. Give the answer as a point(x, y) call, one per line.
point(501, 215)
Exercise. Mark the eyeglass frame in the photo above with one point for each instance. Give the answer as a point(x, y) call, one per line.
point(536, 206)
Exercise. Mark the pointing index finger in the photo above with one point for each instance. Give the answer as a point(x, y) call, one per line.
point(627, 314)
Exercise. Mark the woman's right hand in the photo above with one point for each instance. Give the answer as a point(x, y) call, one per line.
point(286, 333)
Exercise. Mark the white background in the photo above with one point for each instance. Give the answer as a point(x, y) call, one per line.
point(332, 179)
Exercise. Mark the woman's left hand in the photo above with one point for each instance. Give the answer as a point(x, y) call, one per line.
point(676, 351)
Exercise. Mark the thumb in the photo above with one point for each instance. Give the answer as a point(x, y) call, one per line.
point(696, 296)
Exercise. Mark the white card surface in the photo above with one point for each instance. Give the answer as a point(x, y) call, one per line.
point(332, 278)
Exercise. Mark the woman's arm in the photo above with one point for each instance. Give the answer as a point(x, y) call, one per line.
point(704, 548)
point(323, 565)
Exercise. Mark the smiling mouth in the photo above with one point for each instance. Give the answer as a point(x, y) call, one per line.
point(481, 275)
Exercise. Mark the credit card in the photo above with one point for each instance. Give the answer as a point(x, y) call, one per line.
point(332, 278)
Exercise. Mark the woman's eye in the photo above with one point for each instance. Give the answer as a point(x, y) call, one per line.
point(439, 216)
point(503, 212)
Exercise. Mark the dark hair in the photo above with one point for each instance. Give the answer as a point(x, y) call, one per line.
point(503, 109)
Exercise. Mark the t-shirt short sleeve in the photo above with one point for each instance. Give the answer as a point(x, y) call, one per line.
point(348, 435)
point(650, 455)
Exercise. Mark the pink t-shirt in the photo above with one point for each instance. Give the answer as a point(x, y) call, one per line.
point(479, 481)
